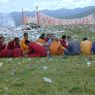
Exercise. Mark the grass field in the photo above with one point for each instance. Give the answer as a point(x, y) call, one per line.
point(70, 76)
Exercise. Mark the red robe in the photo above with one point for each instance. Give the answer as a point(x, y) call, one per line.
point(64, 43)
point(12, 50)
point(2, 47)
point(36, 50)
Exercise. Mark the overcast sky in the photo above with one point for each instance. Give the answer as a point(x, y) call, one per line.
point(17, 5)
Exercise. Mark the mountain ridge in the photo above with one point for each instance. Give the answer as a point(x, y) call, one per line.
point(59, 13)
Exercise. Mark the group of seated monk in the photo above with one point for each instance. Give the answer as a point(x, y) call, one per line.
point(68, 45)
point(12, 49)
point(39, 48)
point(17, 48)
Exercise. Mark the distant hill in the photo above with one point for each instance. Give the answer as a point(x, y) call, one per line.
point(60, 13)
point(70, 13)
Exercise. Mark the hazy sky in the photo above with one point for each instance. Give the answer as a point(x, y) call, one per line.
point(17, 5)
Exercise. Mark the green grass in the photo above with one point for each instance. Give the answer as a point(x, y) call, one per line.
point(70, 76)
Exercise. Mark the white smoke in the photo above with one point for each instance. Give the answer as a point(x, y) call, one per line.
point(7, 20)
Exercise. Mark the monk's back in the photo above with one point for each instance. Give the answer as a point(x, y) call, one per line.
point(54, 47)
point(86, 47)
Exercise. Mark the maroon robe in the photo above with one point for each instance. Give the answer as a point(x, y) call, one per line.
point(2, 48)
point(36, 50)
point(12, 45)
point(64, 43)
point(12, 50)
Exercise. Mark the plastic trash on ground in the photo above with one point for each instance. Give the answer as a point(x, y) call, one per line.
point(47, 80)
point(89, 63)
point(44, 68)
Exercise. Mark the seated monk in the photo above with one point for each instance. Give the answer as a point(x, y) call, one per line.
point(13, 48)
point(73, 47)
point(86, 47)
point(56, 48)
point(36, 50)
point(2, 45)
point(64, 42)
point(23, 43)
point(41, 40)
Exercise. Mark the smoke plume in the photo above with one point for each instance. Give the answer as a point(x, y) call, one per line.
point(7, 21)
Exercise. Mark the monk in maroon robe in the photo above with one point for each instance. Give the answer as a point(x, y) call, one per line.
point(13, 48)
point(36, 50)
point(64, 42)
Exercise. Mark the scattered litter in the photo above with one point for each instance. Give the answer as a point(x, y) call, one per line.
point(43, 58)
point(88, 63)
point(44, 68)
point(19, 63)
point(28, 59)
point(47, 80)
point(10, 59)
point(52, 59)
